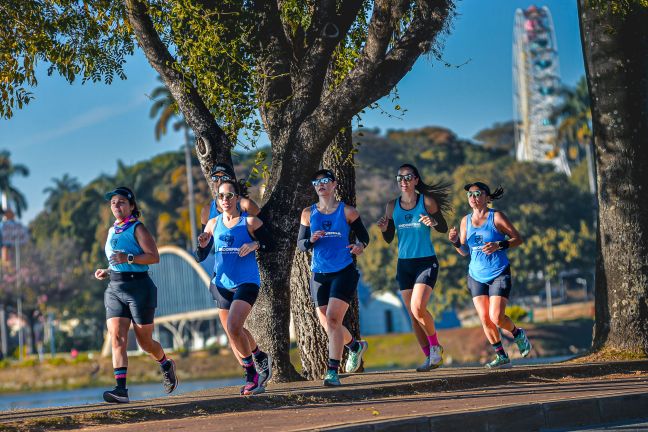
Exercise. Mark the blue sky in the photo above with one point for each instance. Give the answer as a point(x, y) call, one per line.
point(83, 130)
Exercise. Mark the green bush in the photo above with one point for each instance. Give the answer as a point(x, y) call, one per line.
point(57, 361)
point(4, 363)
point(29, 362)
point(516, 313)
point(81, 358)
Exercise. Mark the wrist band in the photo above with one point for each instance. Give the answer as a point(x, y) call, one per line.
point(504, 244)
point(457, 244)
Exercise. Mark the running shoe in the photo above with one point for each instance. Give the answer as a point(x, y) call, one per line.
point(500, 362)
point(523, 343)
point(252, 387)
point(169, 378)
point(354, 359)
point(331, 379)
point(264, 369)
point(433, 361)
point(117, 395)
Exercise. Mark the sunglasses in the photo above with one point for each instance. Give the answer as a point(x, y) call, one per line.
point(476, 193)
point(406, 177)
point(323, 180)
point(226, 196)
point(220, 178)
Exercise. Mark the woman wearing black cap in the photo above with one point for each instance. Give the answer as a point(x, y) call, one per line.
point(411, 216)
point(325, 228)
point(131, 296)
point(483, 236)
point(221, 172)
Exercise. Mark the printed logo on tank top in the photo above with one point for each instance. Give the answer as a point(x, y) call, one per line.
point(327, 225)
point(113, 241)
point(409, 217)
point(228, 239)
point(479, 242)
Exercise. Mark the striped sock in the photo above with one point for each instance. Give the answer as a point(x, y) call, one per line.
point(333, 365)
point(164, 362)
point(499, 349)
point(120, 377)
point(433, 340)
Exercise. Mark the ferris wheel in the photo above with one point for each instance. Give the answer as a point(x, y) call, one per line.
point(536, 83)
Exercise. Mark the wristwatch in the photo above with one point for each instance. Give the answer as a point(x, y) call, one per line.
point(130, 258)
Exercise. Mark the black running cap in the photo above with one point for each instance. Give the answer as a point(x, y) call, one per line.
point(122, 191)
point(223, 167)
point(324, 173)
point(480, 185)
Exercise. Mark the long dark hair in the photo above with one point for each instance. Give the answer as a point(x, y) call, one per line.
point(440, 191)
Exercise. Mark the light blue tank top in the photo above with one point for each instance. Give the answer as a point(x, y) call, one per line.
point(124, 242)
point(484, 268)
point(330, 253)
point(231, 270)
point(413, 236)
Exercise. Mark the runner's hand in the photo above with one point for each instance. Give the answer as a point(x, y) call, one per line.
point(203, 239)
point(356, 248)
point(490, 247)
point(118, 258)
point(427, 220)
point(453, 235)
point(317, 235)
point(248, 248)
point(383, 223)
point(101, 274)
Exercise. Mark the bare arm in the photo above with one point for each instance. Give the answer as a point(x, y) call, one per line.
point(459, 238)
point(504, 226)
point(386, 223)
point(249, 206)
point(434, 218)
point(150, 253)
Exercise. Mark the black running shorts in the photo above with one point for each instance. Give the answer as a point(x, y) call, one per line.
point(248, 292)
point(411, 271)
point(340, 285)
point(135, 299)
point(500, 286)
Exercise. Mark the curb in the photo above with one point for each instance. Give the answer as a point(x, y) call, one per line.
point(209, 404)
point(529, 417)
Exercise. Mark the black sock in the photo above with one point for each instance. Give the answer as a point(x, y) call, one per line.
point(354, 345)
point(248, 365)
point(333, 365)
point(515, 331)
point(499, 349)
point(120, 377)
point(258, 354)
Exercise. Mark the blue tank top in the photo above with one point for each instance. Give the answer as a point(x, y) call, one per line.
point(484, 268)
point(231, 270)
point(330, 253)
point(124, 242)
point(413, 236)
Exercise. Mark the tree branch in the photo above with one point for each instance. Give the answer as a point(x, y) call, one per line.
point(208, 134)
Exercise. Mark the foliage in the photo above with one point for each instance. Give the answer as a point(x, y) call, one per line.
point(8, 170)
point(516, 313)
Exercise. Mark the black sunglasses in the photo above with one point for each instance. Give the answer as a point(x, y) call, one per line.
point(222, 178)
point(406, 177)
point(323, 180)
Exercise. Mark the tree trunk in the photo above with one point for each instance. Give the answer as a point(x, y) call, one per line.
point(339, 157)
point(614, 47)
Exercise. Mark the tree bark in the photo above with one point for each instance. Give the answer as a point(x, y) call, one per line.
point(614, 47)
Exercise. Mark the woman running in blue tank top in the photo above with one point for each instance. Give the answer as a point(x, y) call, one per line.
point(411, 216)
point(325, 228)
point(221, 172)
point(482, 235)
point(131, 295)
point(235, 286)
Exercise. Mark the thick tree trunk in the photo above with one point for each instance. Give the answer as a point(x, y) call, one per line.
point(615, 47)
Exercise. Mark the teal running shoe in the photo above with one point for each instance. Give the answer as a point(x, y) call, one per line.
point(331, 379)
point(500, 362)
point(354, 359)
point(433, 361)
point(523, 343)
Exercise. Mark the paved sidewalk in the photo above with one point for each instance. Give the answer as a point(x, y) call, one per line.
point(522, 398)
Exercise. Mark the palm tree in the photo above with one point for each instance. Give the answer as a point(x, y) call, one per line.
point(574, 119)
point(167, 108)
point(62, 186)
point(9, 193)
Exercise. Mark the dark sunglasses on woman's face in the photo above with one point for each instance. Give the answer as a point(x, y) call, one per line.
point(226, 196)
point(220, 178)
point(324, 180)
point(406, 177)
point(476, 193)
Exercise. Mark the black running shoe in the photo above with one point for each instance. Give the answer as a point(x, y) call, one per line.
point(169, 378)
point(264, 369)
point(117, 395)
